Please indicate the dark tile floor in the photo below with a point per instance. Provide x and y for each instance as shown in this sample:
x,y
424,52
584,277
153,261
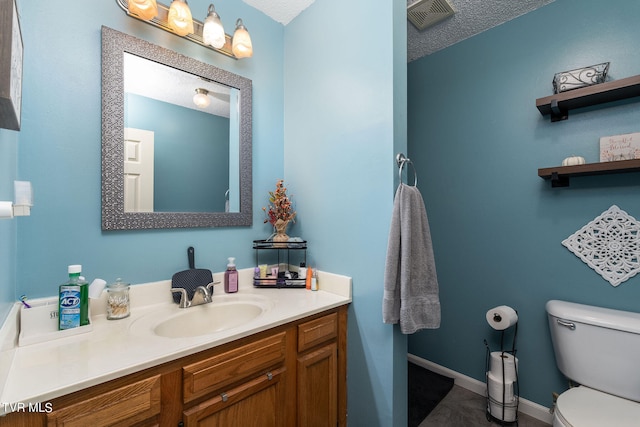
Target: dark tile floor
x,y
464,408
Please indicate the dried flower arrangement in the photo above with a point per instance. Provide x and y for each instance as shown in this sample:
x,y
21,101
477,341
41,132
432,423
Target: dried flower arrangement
x,y
280,207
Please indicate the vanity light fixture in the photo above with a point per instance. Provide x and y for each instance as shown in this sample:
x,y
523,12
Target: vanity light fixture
x,y
242,47
213,31
177,19
145,9
201,98
180,19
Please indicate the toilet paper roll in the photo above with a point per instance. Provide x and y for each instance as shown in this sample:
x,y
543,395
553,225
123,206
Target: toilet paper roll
x,y
495,387
502,317
6,210
506,413
510,365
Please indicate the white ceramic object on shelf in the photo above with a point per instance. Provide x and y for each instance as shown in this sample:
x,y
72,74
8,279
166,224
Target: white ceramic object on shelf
x,y
573,160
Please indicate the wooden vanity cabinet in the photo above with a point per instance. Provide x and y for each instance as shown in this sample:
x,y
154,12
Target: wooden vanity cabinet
x,y
293,378
319,388
321,370
137,400
257,402
245,385
292,375
137,404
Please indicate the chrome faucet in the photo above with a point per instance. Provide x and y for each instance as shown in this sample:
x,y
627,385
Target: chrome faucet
x,y
202,295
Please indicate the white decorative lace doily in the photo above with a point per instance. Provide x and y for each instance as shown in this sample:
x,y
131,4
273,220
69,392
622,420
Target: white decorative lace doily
x,y
610,245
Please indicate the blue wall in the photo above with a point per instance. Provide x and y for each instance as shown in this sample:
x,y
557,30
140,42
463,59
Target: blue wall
x,y
8,228
345,70
60,149
341,103
477,140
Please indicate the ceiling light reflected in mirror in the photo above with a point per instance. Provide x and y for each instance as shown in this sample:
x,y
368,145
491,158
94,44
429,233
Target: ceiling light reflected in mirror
x,y
149,79
201,98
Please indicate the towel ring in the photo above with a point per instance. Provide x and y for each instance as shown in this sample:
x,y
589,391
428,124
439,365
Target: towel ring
x,y
401,160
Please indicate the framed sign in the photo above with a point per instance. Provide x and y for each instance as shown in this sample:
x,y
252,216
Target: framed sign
x,y
620,147
10,66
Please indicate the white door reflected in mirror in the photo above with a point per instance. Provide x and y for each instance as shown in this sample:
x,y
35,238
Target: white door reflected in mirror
x,y
138,170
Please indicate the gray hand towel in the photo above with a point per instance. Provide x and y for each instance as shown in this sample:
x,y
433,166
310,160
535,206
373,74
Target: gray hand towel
x,y
410,280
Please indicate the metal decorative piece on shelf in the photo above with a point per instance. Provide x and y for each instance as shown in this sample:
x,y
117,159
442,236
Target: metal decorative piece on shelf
x,y
610,245
580,77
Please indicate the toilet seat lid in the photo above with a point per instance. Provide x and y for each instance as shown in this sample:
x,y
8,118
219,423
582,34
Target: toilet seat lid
x,y
586,407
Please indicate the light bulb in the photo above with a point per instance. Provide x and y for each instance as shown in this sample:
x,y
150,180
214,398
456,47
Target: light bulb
x,y
241,45
201,98
145,9
180,19
213,32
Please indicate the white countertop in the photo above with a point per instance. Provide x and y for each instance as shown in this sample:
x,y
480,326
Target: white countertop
x,y
43,371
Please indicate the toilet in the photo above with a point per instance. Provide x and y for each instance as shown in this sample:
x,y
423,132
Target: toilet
x,y
599,349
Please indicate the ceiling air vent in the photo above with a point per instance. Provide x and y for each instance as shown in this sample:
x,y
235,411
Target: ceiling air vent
x,y
425,13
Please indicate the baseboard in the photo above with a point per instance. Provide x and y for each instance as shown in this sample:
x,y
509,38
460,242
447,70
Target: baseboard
x,y
525,406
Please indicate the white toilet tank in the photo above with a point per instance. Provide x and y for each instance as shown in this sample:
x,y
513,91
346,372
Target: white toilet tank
x,y
597,347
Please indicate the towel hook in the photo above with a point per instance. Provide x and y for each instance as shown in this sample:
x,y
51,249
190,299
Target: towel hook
x,y
401,160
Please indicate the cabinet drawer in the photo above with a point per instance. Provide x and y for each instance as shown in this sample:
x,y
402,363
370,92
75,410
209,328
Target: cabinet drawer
x,y
217,372
317,331
126,405
257,402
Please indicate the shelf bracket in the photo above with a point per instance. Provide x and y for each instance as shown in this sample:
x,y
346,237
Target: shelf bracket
x,y
558,114
559,180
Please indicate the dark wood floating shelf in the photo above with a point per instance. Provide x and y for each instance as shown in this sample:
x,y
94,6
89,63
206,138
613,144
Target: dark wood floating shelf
x,y
559,175
559,104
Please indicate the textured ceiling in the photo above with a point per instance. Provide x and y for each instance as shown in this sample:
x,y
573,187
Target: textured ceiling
x,y
471,17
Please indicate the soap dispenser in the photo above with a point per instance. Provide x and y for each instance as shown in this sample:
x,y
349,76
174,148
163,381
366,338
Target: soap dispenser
x,y
231,277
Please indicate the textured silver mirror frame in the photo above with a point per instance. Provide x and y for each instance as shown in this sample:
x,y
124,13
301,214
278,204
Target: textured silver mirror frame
x,y
114,45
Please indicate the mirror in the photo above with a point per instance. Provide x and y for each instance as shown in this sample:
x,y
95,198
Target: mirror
x,y
162,158
199,172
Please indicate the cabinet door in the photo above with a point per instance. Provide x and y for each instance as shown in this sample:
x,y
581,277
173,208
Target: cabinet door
x,y
256,403
133,404
318,387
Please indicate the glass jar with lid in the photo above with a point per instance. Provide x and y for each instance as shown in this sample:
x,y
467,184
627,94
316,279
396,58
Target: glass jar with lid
x,y
118,300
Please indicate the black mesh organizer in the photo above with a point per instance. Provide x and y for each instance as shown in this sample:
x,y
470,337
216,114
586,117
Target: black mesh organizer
x,y
286,256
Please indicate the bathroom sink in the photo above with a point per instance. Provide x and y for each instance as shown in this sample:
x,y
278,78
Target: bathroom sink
x,y
208,318
224,312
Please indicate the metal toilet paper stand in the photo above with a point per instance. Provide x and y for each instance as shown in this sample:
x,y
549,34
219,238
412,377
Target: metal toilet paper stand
x,y
503,411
